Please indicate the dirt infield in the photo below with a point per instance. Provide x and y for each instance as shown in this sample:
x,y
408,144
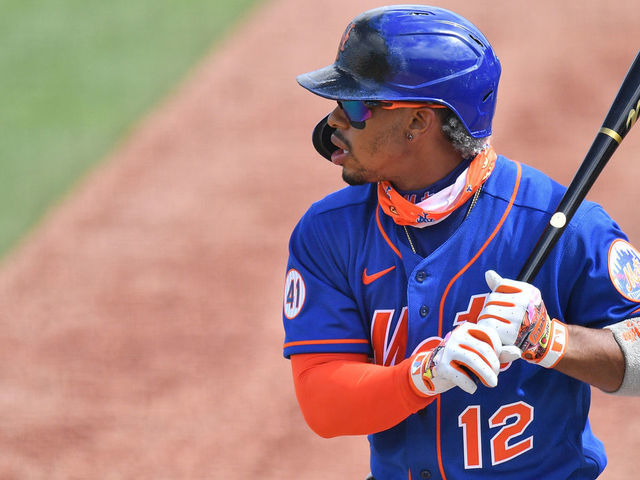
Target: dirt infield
x,y
141,333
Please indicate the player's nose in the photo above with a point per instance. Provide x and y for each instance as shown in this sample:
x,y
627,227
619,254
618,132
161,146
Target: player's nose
x,y
337,119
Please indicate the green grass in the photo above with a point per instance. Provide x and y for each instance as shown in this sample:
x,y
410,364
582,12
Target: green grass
x,y
75,75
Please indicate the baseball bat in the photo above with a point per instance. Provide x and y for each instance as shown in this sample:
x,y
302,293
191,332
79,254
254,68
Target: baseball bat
x,y
622,115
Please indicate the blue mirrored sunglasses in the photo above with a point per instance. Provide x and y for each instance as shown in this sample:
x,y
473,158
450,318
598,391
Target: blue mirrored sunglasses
x,y
359,111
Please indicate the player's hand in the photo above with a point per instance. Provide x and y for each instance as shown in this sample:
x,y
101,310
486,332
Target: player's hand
x,y
515,310
467,352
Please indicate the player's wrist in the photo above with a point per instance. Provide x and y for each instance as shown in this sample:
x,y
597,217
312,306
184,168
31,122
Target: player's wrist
x,y
551,346
421,385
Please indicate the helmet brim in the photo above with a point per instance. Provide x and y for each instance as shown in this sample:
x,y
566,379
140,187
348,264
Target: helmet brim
x,y
337,84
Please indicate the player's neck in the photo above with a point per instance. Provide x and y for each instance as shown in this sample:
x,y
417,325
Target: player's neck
x,y
428,167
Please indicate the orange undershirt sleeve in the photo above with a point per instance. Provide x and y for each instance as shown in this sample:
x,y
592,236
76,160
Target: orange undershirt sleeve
x,y
343,394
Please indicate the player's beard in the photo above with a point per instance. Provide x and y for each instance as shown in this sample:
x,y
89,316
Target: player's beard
x,y
354,174
353,178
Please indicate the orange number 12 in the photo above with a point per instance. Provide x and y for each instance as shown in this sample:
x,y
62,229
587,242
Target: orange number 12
x,y
502,447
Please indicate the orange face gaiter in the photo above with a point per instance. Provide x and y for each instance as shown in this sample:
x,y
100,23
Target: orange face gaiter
x,y
438,206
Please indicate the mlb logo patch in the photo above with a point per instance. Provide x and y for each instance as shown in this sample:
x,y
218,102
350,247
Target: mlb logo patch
x,y
624,269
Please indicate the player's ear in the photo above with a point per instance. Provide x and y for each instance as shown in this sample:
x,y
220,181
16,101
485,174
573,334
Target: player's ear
x,y
423,120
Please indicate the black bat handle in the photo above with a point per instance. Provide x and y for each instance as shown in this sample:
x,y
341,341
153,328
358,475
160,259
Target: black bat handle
x,y
622,115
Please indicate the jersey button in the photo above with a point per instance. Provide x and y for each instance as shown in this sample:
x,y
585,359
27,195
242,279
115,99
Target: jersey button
x,y
425,474
424,310
421,276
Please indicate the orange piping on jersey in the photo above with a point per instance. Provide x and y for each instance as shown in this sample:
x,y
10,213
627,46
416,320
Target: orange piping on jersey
x,y
482,249
635,311
384,234
325,342
446,292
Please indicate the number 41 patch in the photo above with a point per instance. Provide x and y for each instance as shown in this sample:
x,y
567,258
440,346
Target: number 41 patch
x,y
295,293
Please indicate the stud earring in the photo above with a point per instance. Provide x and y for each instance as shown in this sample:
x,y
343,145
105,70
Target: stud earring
x,y
409,137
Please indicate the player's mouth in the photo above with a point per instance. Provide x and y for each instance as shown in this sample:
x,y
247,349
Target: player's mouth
x,y
339,155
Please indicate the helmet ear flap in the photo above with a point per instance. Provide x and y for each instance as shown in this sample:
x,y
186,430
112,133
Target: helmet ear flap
x,y
322,138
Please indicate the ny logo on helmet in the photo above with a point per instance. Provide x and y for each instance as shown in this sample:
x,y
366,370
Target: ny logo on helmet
x,y
345,37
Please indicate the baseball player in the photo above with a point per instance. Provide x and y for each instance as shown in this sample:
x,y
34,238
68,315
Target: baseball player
x,y
402,322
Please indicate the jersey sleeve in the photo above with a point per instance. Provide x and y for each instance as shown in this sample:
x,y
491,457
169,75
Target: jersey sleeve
x,y
320,314
602,269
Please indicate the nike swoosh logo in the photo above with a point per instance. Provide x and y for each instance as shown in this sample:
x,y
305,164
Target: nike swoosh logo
x,y
367,279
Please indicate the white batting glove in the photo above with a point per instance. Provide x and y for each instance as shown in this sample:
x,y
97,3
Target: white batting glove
x,y
467,352
515,310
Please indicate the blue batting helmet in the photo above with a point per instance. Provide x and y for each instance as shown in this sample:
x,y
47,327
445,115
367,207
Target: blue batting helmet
x,y
414,53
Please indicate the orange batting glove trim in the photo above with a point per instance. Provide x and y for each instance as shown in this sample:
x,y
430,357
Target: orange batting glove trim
x,y
555,345
508,289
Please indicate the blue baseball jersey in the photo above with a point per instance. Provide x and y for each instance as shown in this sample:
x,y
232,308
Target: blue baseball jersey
x,y
354,284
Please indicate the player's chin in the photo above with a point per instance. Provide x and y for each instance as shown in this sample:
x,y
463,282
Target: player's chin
x,y
356,175
353,178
